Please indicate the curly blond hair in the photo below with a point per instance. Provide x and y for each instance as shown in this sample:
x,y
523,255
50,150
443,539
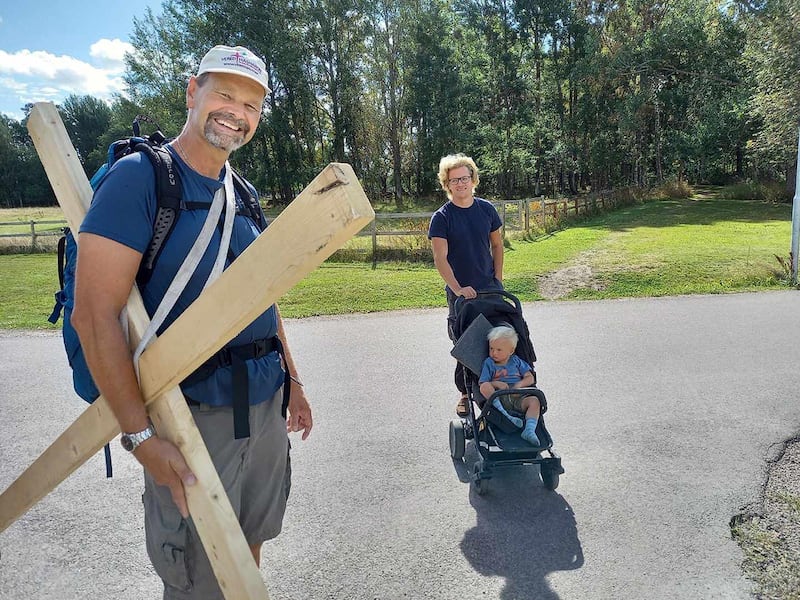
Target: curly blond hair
x,y
454,161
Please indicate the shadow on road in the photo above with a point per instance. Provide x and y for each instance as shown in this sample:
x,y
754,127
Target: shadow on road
x,y
523,533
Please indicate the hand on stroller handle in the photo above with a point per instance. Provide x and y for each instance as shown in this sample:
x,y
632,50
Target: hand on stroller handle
x,y
460,300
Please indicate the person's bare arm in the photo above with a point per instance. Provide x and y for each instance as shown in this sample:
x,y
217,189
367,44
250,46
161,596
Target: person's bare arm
x,y
496,245
527,380
104,278
439,247
300,417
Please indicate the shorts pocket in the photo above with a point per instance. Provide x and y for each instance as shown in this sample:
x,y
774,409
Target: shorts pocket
x,y
167,535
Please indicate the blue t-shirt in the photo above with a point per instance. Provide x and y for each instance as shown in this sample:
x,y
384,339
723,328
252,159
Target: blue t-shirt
x,y
467,233
511,372
124,208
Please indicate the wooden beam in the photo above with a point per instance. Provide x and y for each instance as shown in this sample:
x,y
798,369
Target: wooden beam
x,y
331,210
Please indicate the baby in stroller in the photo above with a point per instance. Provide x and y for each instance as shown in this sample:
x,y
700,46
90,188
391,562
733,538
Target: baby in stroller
x,y
496,427
503,370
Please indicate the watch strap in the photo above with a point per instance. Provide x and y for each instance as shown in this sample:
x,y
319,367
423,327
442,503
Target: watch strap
x,y
131,441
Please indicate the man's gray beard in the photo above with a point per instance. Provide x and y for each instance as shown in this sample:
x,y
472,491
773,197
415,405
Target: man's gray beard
x,y
229,143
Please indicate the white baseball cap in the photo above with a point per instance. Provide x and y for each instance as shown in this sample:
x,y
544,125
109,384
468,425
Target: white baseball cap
x,y
236,61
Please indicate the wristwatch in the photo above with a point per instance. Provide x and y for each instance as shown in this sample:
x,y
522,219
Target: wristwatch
x,y
131,441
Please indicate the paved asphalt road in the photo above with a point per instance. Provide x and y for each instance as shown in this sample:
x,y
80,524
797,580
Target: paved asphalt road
x,y
665,412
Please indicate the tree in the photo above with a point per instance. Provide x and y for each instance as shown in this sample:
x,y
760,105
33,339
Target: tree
x,y
434,92
158,70
388,31
773,50
86,119
22,179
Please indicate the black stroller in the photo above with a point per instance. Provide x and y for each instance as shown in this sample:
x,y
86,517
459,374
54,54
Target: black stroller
x,y
496,438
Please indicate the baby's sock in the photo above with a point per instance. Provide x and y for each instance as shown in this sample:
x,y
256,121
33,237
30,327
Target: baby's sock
x,y
499,406
529,433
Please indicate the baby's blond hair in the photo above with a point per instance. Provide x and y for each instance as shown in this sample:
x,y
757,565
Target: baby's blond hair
x,y
503,332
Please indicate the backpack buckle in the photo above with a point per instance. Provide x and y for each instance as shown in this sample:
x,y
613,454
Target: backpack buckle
x,y
259,348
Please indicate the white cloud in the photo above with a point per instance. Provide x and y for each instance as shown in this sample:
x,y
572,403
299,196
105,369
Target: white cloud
x,y
33,76
110,53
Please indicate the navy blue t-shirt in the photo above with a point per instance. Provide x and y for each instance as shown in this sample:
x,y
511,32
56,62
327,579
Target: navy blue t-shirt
x,y
124,208
467,233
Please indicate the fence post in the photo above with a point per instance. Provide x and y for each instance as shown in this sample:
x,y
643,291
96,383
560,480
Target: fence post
x,y
527,214
544,211
375,242
33,236
504,218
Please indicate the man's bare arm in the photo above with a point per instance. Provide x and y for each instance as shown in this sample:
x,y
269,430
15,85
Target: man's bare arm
x,y
104,278
300,417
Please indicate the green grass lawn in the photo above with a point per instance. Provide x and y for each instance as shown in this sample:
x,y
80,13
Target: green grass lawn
x,y
27,285
705,244
699,245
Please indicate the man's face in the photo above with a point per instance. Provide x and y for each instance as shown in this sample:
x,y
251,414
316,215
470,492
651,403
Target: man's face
x,y
228,108
459,182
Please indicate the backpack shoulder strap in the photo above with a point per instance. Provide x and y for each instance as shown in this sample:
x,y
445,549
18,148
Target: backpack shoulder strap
x,y
169,193
249,200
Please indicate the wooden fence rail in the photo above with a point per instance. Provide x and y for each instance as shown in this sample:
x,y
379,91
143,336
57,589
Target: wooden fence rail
x,y
32,232
516,215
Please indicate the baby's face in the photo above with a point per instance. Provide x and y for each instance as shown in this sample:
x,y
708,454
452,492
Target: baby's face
x,y
500,351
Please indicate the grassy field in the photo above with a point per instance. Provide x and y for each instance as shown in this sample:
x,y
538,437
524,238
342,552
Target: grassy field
x,y
704,244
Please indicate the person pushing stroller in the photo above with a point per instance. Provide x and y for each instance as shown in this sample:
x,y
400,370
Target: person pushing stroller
x,y
504,370
467,243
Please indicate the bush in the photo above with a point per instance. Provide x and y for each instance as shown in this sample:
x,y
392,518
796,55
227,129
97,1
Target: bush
x,y
768,191
673,190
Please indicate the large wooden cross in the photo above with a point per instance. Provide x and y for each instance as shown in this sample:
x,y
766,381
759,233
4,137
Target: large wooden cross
x,y
331,210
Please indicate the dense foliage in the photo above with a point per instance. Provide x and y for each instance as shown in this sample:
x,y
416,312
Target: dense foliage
x,y
547,95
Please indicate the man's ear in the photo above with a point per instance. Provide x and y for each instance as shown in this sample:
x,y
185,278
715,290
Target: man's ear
x,y
191,90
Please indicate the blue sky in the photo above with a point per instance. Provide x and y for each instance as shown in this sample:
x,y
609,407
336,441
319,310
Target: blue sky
x,y
50,49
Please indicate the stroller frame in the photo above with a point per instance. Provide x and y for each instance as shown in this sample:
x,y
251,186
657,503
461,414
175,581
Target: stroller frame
x,y
497,441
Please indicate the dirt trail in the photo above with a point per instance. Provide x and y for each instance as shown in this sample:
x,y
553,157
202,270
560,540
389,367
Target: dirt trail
x,y
578,275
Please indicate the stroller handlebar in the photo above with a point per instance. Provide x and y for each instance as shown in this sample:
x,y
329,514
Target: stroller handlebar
x,y
490,292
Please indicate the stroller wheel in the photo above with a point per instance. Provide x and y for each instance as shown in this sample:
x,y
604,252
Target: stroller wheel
x,y
549,477
457,443
481,484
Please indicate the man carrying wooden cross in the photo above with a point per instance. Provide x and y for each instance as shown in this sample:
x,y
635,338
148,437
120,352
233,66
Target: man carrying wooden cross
x,y
236,398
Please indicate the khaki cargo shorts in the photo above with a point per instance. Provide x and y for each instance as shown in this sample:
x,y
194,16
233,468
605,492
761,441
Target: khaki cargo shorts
x,y
256,474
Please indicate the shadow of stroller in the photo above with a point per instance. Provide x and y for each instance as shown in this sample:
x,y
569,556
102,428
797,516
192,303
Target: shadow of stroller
x,y
523,533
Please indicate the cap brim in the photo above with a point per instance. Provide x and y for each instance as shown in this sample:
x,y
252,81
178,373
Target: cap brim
x,y
267,90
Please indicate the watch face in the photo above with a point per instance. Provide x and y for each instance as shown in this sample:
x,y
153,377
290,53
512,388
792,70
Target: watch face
x,y
126,442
